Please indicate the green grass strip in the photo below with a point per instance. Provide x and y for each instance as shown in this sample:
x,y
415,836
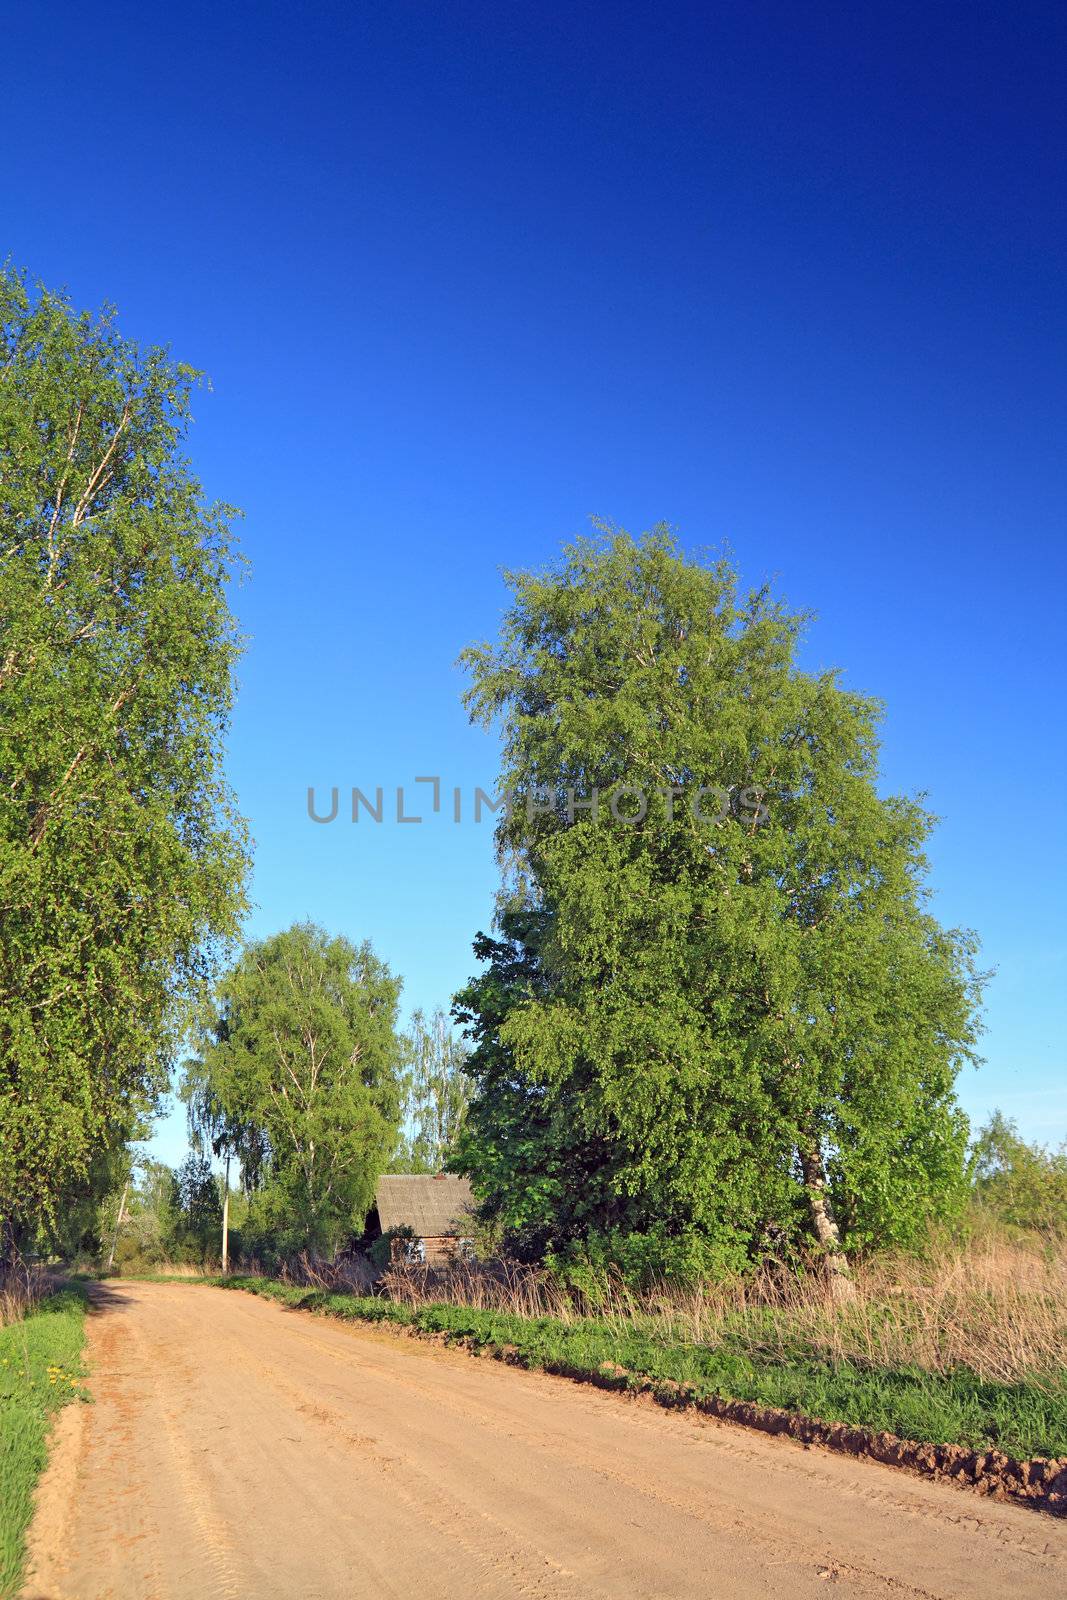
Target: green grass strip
x,y
1021,1419
40,1370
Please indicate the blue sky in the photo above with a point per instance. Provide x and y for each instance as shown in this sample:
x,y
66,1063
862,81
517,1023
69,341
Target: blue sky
x,y
789,278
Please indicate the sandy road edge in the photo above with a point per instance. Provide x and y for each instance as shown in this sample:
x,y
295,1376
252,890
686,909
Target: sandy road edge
x,y
53,1493
1037,1483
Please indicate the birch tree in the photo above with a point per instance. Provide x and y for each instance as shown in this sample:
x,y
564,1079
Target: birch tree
x,y
436,1090
300,1064
738,1026
122,858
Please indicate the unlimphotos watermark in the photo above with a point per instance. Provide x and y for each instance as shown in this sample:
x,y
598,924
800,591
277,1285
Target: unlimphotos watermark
x,y
625,804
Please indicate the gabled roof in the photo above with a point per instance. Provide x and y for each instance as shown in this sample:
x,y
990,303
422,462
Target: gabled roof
x,y
433,1208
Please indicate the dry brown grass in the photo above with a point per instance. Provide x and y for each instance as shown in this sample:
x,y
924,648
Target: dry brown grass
x,y
188,1269
349,1274
24,1286
163,1269
487,1286
997,1308
995,1305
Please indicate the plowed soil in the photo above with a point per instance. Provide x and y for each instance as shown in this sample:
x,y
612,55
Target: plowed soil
x,y
237,1448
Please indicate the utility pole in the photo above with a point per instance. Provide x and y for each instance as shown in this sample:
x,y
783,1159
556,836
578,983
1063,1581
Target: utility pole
x,y
226,1219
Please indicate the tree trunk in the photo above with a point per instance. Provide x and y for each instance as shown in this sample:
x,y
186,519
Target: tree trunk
x,y
226,1221
822,1218
118,1225
9,1250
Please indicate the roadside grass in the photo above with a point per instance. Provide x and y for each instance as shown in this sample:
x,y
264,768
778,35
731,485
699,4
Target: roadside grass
x,y
40,1371
992,1304
1023,1418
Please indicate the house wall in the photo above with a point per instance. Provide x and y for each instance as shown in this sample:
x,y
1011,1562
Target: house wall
x,y
438,1252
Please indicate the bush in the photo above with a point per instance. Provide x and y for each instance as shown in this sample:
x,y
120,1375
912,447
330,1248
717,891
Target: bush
x,y
1023,1186
380,1253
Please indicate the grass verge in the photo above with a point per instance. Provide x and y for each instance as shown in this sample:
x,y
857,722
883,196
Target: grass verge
x,y
40,1370
957,1408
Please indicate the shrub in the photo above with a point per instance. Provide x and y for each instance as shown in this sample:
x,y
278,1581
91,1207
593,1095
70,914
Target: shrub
x,y
1023,1186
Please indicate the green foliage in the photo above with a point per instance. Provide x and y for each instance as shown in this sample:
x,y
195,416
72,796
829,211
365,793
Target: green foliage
x,y
87,1218
1022,1185
539,1170
691,1023
168,1216
145,1234
40,1370
436,1090
301,1059
1023,1419
380,1253
121,859
199,1210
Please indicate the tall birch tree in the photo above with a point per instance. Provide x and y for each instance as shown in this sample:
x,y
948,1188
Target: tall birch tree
x,y
299,1076
436,1090
721,1019
122,858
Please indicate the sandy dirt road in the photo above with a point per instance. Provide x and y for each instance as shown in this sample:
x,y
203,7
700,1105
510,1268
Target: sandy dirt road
x,y
236,1448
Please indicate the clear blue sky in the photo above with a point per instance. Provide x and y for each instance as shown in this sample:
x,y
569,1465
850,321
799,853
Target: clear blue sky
x,y
788,277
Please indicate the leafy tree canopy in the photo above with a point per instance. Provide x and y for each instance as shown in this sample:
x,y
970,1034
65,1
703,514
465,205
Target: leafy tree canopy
x,y
721,1019
436,1089
300,1063
122,861
1021,1184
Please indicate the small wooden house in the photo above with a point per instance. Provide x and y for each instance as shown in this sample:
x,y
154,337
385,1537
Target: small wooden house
x,y
439,1210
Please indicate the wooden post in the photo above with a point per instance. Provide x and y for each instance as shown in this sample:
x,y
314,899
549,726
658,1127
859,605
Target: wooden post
x,y
226,1220
118,1225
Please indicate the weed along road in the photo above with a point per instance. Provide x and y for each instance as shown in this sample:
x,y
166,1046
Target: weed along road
x,y
236,1448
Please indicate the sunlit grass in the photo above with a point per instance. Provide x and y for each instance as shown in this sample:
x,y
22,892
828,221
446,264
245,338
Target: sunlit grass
x,y
40,1370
